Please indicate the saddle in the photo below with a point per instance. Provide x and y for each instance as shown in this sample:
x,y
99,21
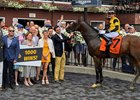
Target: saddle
x,y
114,47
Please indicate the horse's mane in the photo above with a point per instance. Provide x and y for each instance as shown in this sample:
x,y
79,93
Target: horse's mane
x,y
92,27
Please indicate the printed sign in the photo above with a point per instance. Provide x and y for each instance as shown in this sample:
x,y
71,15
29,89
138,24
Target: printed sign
x,y
33,15
86,2
29,56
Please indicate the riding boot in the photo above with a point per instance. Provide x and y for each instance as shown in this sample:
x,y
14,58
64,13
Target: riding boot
x,y
108,40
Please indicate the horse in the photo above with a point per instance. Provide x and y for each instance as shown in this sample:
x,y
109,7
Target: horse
x,y
129,46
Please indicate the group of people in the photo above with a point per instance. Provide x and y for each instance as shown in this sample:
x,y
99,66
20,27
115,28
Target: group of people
x,y
56,43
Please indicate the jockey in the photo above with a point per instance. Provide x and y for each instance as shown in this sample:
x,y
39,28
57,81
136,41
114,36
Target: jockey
x,y
114,28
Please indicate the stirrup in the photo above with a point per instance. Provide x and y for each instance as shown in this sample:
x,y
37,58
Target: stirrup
x,y
109,43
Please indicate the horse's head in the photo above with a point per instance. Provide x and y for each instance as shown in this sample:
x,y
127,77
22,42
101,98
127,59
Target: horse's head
x,y
74,26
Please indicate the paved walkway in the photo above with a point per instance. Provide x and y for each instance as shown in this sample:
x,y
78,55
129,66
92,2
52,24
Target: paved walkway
x,y
75,87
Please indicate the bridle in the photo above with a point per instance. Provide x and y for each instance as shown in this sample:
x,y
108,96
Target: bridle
x,y
73,27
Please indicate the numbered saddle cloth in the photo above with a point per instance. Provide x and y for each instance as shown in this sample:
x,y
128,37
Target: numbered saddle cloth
x,y
114,47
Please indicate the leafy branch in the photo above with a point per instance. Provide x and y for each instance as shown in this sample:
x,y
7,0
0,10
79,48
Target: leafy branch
x,y
15,5
48,7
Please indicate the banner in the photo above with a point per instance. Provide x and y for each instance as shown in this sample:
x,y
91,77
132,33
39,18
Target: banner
x,y
29,56
86,3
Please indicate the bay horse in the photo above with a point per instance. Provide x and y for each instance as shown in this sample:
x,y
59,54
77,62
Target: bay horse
x,y
130,46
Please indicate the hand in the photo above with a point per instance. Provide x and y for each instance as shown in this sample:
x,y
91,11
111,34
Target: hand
x,y
45,57
15,61
71,34
67,25
29,44
62,17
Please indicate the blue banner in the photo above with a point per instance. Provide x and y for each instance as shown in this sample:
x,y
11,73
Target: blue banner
x,y
86,2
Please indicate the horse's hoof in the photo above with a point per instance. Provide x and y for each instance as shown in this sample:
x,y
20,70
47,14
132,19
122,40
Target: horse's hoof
x,y
99,85
96,85
131,87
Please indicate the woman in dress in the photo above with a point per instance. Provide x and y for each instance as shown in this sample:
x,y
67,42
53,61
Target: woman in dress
x,y
47,44
34,30
28,71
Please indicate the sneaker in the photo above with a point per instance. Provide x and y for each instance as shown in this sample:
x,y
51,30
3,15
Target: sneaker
x,y
47,82
43,82
17,84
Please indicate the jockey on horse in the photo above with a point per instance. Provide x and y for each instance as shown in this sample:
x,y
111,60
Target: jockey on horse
x,y
114,28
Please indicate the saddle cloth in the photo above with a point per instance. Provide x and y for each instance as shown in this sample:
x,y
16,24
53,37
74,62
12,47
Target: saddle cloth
x,y
114,47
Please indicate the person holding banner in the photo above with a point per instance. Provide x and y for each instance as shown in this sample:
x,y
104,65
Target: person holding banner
x,y
11,52
28,71
48,49
34,32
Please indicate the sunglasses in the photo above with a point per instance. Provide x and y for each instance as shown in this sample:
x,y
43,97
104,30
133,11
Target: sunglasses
x,y
110,13
11,30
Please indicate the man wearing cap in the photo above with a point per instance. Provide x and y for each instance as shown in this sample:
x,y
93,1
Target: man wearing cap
x,y
114,28
47,24
20,30
132,31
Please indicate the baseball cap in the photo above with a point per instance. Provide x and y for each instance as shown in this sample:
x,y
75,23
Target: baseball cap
x,y
19,26
130,27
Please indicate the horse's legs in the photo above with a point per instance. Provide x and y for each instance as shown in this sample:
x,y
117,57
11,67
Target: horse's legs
x,y
98,70
97,74
135,63
135,79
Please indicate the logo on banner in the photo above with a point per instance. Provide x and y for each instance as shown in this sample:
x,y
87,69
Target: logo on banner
x,y
86,2
82,2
